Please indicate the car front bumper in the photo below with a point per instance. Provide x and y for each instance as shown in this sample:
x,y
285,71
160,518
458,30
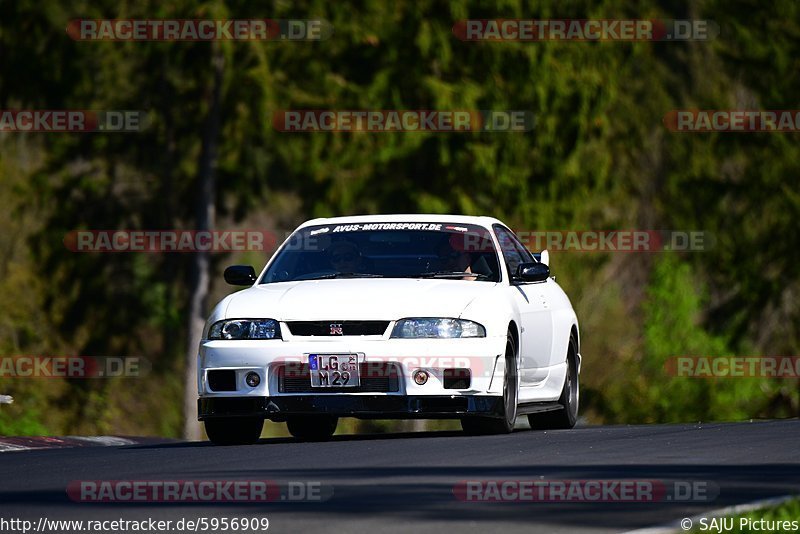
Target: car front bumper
x,y
482,356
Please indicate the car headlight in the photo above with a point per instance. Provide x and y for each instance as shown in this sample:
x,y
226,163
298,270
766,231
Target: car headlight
x,y
245,329
425,327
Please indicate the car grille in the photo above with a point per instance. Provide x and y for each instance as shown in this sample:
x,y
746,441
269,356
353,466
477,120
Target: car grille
x,y
376,377
331,328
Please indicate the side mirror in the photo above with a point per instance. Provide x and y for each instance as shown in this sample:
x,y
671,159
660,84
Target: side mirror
x,y
240,275
543,257
532,272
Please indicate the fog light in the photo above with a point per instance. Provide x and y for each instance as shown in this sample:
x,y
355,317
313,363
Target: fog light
x,y
252,379
420,377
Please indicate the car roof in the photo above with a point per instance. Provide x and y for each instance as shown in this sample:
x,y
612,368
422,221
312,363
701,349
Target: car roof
x,y
486,222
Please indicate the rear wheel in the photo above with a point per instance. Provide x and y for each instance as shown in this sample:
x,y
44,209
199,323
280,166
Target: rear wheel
x,y
312,427
234,431
504,424
568,414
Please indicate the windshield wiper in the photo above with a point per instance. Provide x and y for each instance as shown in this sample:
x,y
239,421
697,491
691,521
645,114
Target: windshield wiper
x,y
450,274
343,275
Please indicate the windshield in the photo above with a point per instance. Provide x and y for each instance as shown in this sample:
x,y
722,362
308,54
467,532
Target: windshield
x,y
386,250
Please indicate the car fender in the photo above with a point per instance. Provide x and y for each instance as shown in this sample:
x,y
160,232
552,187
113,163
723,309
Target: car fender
x,y
564,320
495,313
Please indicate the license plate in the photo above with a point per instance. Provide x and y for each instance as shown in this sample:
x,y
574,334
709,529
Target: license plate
x,y
334,370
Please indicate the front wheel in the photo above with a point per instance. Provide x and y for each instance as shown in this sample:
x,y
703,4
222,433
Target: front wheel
x,y
504,424
568,414
234,431
312,427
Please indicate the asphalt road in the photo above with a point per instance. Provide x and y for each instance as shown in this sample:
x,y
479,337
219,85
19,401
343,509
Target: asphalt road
x,y
405,482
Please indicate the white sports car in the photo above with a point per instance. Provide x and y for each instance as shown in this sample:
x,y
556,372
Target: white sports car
x,y
391,316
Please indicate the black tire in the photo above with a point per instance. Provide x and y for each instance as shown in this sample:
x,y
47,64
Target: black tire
x,y
570,397
234,431
312,427
504,424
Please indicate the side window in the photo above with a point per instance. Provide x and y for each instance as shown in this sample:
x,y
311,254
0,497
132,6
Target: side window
x,y
511,253
527,257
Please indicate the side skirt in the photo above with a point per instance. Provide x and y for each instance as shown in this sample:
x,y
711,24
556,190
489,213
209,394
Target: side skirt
x,y
538,407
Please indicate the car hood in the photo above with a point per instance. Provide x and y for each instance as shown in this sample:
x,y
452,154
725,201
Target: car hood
x,y
354,299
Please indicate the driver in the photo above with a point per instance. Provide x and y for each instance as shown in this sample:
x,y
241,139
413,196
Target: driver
x,y
455,259
345,257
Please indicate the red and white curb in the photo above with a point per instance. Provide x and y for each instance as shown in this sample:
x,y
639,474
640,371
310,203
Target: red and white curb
x,y
8,444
